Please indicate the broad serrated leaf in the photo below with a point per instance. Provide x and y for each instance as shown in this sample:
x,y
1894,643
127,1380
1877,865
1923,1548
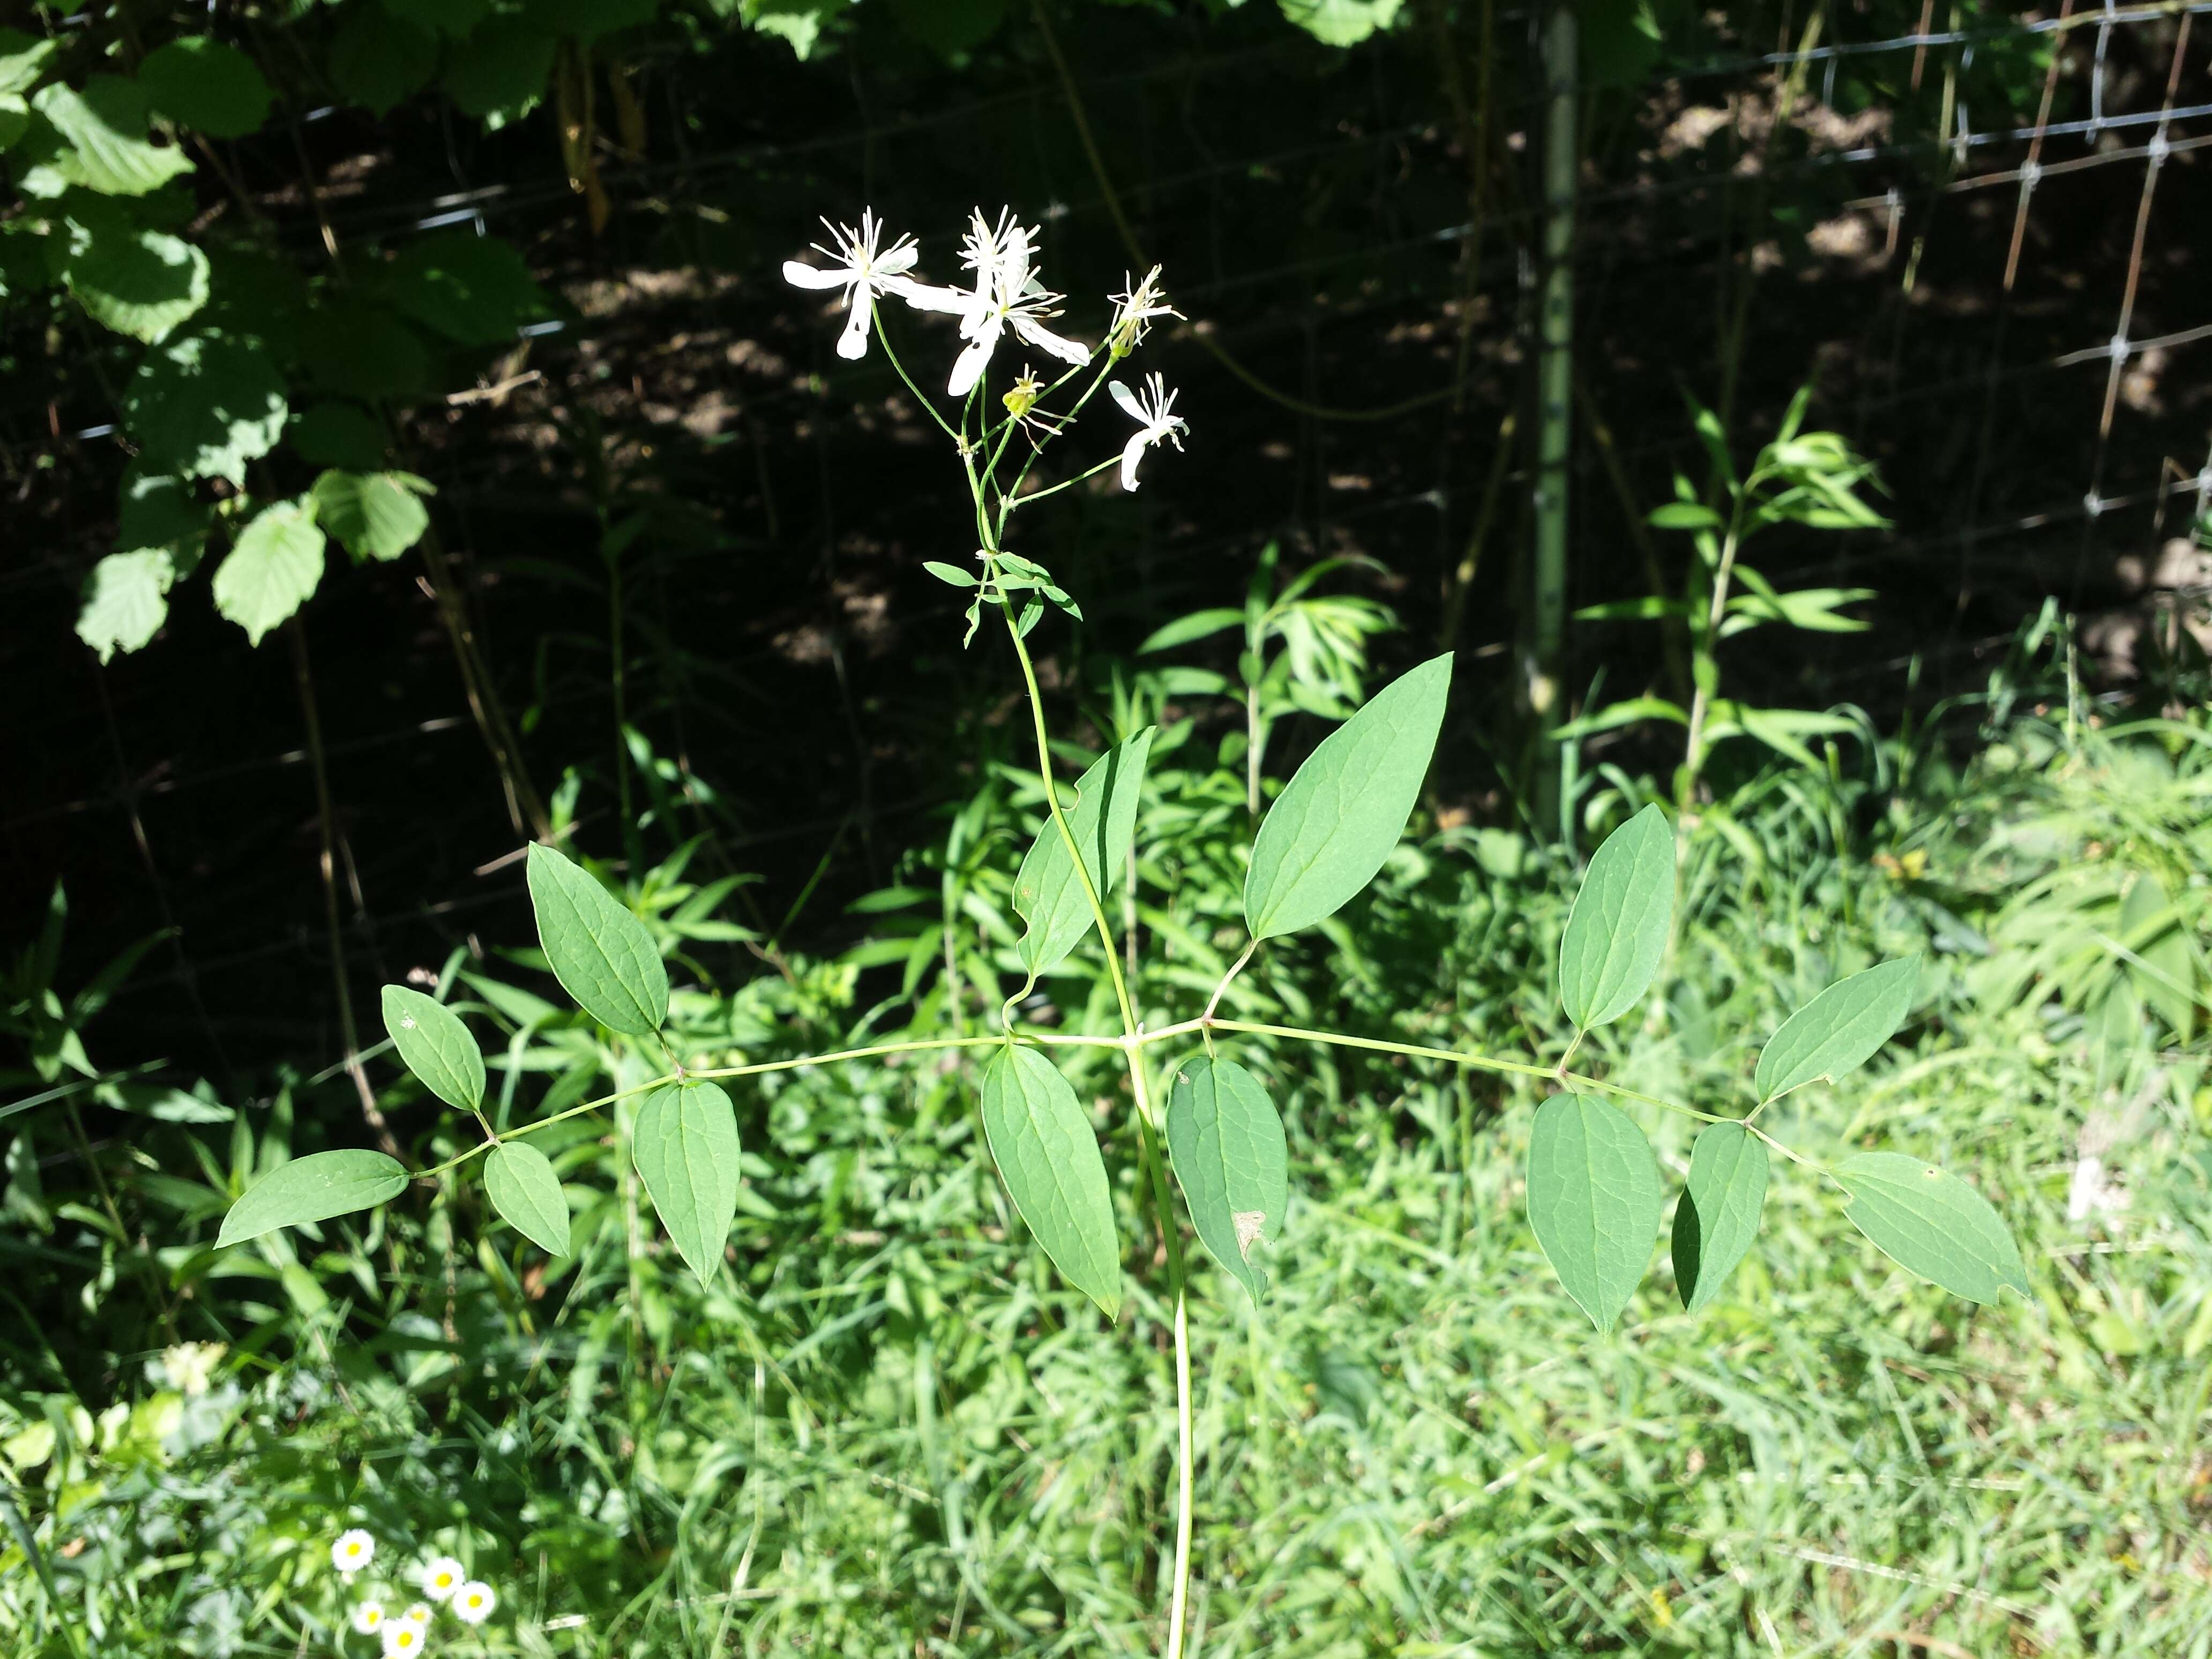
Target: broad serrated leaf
x,y
476,289
1047,1157
1225,1145
1048,894
313,1188
124,600
1593,1201
519,1179
337,435
1933,1224
376,60
363,351
23,59
103,123
435,1046
377,515
1838,1030
1617,930
685,1146
272,571
1338,818
1717,1217
202,83
136,281
600,952
203,406
500,69
1342,22
155,510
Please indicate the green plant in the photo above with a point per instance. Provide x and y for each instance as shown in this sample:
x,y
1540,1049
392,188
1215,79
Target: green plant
x,y
1595,1195
1809,479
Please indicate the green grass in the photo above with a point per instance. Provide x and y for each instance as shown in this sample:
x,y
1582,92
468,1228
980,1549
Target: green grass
x,y
891,1431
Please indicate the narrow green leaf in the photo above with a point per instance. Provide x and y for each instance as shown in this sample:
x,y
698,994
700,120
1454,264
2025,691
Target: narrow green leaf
x,y
519,1179
273,571
1717,1217
1047,893
1933,1224
435,1046
1225,1145
685,1146
2165,974
1617,930
1838,1030
1049,1158
1338,818
1594,1200
600,952
313,1188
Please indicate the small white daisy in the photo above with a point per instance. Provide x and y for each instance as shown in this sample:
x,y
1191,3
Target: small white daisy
x,y
474,1601
418,1614
442,1577
369,1617
353,1551
404,1639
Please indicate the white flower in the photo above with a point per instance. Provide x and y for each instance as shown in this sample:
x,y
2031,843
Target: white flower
x,y
353,1551
190,1366
404,1639
1006,295
369,1617
473,1602
442,1577
862,269
1133,312
418,1614
1153,410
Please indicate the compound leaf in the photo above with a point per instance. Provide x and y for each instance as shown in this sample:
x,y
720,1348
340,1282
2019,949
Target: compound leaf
x,y
1594,1200
435,1046
600,952
1933,1224
1617,930
1838,1030
1048,894
519,1179
272,571
313,1188
1049,1158
1226,1144
1717,1217
1340,815
685,1146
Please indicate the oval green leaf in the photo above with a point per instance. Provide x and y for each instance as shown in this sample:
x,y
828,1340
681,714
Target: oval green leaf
x,y
1617,930
1226,1144
1838,1030
1933,1224
599,951
519,1179
1104,821
1717,1216
435,1046
313,1188
1594,1200
1340,815
1049,1158
685,1146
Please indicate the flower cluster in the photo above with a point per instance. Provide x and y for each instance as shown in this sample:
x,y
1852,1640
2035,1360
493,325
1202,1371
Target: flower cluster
x,y
406,1633
1004,300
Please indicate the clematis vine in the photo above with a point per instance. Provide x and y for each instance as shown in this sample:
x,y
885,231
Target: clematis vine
x,y
863,269
1007,297
1153,410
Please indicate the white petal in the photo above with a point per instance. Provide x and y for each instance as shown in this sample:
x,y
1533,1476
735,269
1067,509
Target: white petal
x,y
1120,395
799,275
923,297
1044,339
898,259
853,341
969,368
1131,452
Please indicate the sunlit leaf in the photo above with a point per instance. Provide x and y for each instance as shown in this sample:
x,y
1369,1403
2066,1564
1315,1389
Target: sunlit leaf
x,y
685,1146
435,1046
1716,1218
123,603
202,406
519,1179
104,122
377,515
313,1188
1593,1201
1225,1145
1047,1157
1933,1224
1617,930
1838,1030
1340,815
272,571
1048,894
600,952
